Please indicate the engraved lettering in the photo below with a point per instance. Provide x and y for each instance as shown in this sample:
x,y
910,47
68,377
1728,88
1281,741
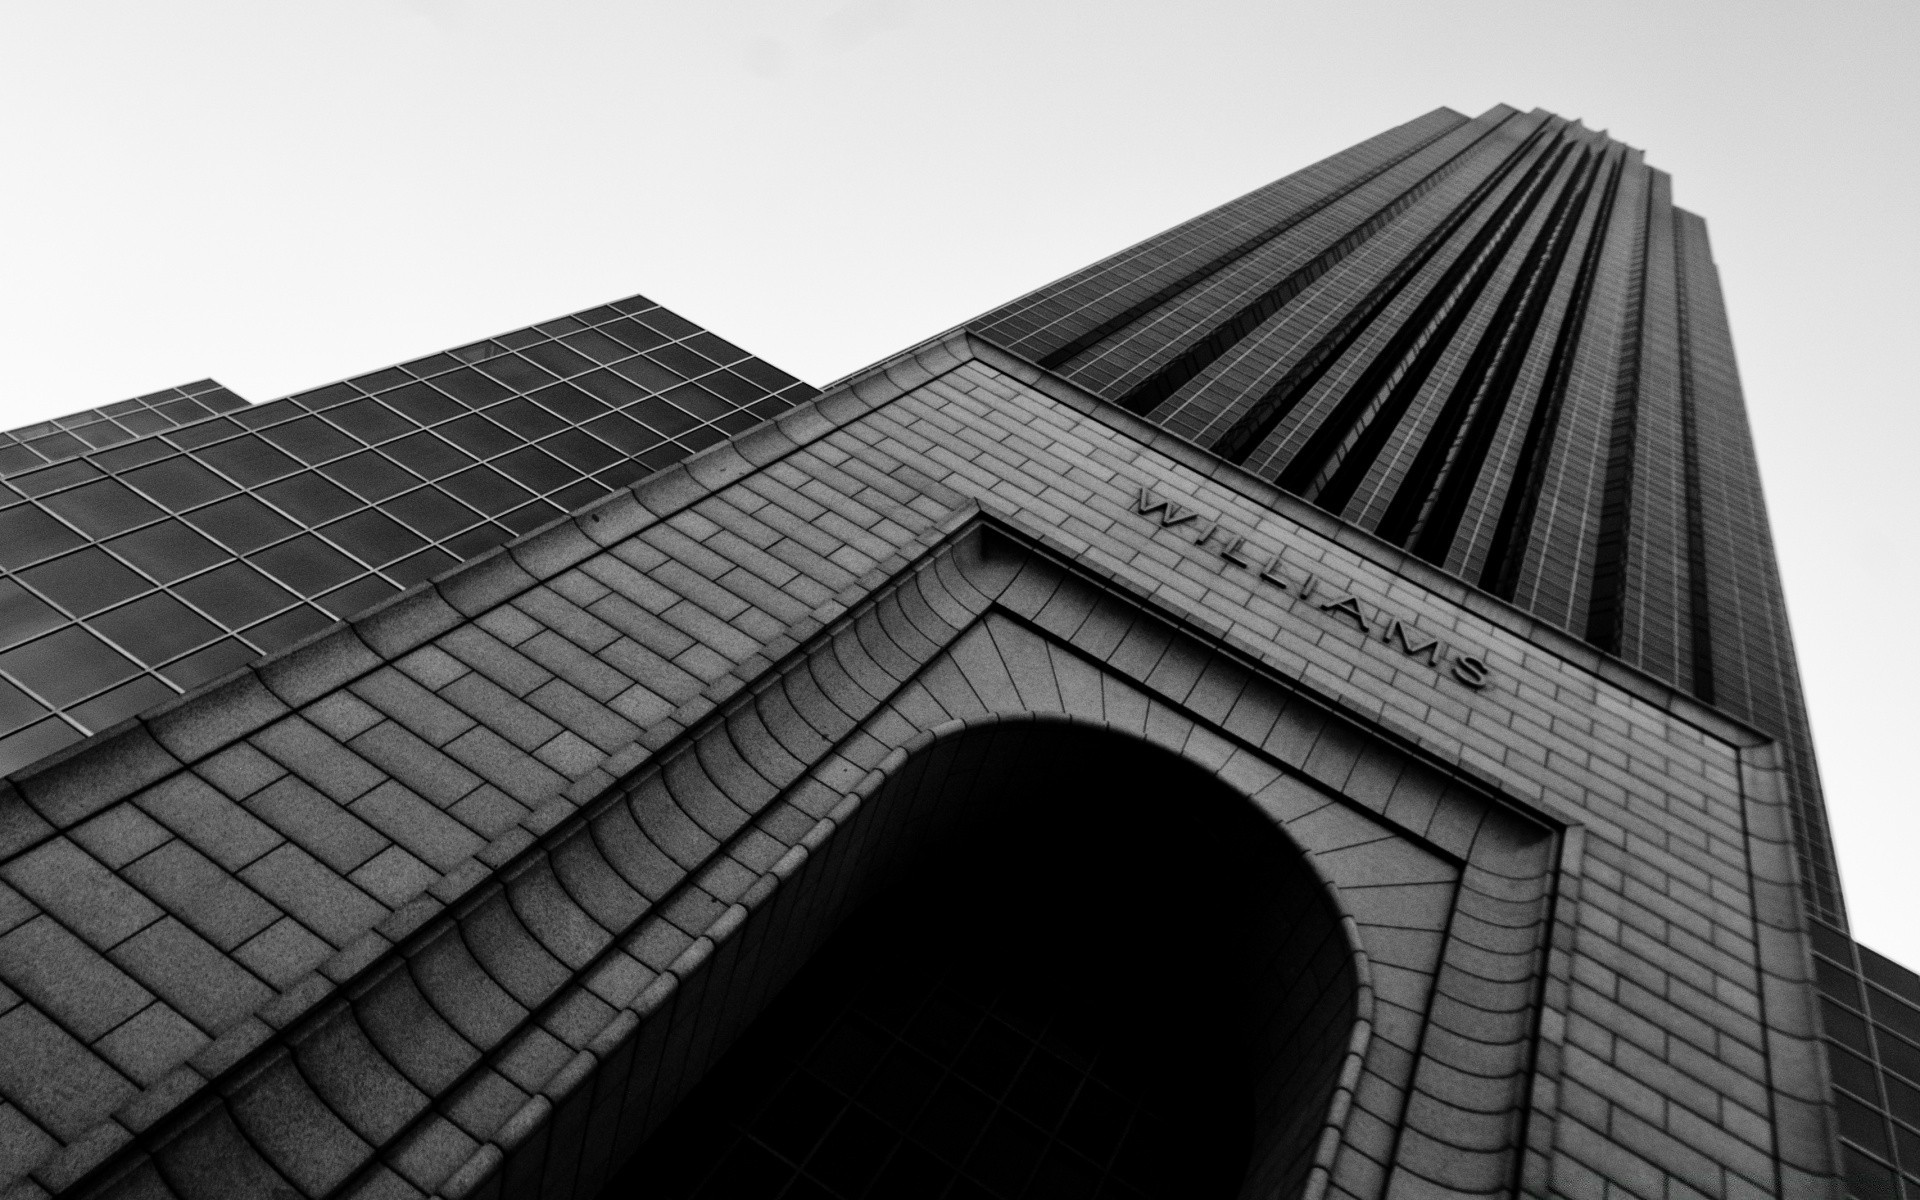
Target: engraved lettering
x,y
1210,532
1430,649
1345,606
1233,552
1471,670
1170,513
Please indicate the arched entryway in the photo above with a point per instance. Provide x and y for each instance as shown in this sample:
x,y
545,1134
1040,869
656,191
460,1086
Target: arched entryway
x,y
1058,961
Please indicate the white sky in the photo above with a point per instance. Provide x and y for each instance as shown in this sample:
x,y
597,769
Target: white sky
x,y
280,193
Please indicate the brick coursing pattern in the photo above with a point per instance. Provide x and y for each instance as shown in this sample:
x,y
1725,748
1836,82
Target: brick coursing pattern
x,y
468,855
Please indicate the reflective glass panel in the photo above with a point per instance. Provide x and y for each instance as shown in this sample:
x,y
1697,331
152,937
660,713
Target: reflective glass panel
x,y
67,666
85,581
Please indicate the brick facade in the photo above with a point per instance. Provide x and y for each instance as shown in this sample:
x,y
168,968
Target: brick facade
x,y
458,897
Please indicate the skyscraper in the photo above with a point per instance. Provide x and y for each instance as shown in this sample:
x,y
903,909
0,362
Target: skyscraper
x,y
1302,706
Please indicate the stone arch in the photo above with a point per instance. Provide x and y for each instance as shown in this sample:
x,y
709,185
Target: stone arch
x,y
1227,904
518,1031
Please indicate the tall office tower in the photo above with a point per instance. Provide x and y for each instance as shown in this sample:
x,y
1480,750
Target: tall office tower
x,y
1302,707
1498,345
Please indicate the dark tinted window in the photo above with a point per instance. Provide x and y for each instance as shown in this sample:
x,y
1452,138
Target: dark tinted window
x,y
236,595
472,387
310,498
732,387
623,474
326,398
578,495
770,377
370,420
241,523
311,440
272,413
205,433
85,581
179,483
23,615
431,512
529,517
574,404
101,434
583,453
422,566
1863,1125
358,596
65,666
737,422
1890,974
375,537
17,709
1837,981
660,415
14,459
125,458
423,403
248,460
597,346
517,373
635,335
379,381
557,358
216,660
156,628
479,436
167,551
129,699
525,418
670,323
369,476
102,509
476,542
718,349
649,374
486,490
287,628
427,456
433,364
624,432
35,742
1898,1055
680,360
306,564
1903,1100
1854,1073
536,469
53,478
28,535
146,422
182,412
699,401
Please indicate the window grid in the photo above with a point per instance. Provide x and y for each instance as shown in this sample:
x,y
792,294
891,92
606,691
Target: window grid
x,y
140,568
1871,1017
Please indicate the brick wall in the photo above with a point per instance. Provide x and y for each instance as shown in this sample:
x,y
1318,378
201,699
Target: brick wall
x,y
479,880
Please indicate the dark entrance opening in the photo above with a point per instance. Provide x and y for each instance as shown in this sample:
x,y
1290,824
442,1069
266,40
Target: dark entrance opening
x,y
1097,975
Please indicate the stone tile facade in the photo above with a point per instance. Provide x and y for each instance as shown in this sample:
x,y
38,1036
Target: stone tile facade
x,y
458,898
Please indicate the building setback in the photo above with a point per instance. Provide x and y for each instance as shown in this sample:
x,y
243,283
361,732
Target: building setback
x,y
1302,706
